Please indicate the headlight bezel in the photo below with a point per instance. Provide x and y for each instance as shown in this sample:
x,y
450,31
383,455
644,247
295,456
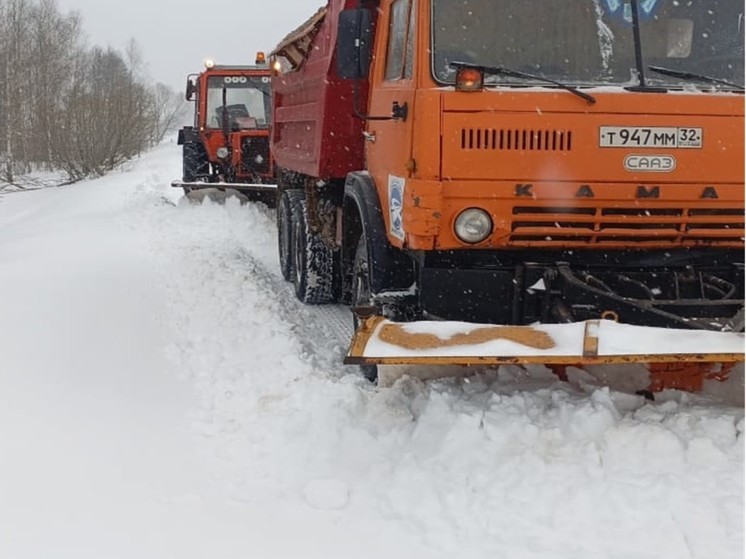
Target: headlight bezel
x,y
476,218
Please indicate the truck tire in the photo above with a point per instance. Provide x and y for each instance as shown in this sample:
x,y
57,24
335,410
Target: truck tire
x,y
285,231
313,261
195,161
361,296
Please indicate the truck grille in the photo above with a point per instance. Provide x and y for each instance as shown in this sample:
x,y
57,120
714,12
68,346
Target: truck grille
x,y
606,226
255,155
515,139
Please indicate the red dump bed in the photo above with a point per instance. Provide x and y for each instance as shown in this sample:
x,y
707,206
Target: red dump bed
x,y
314,129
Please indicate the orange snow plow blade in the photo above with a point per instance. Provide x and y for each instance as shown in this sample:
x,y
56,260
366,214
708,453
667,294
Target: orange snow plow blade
x,y
379,341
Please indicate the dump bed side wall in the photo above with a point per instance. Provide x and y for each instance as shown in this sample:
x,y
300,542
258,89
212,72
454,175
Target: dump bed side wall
x,y
315,131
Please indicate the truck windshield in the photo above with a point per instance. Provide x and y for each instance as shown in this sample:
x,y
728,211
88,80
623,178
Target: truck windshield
x,y
591,42
246,101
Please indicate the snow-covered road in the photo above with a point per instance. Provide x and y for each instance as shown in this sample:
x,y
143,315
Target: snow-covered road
x,y
163,395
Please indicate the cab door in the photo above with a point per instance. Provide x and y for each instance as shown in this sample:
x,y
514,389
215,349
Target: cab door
x,y
391,105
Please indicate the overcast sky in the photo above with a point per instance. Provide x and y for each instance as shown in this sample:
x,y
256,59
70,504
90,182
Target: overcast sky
x,y
176,36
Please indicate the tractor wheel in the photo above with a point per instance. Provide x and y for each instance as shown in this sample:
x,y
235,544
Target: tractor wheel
x,y
361,296
313,261
196,165
285,231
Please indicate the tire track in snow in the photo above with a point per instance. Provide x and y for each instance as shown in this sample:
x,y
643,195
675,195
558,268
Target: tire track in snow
x,y
241,241
318,327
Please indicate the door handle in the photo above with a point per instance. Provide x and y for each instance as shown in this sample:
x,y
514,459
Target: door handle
x,y
399,112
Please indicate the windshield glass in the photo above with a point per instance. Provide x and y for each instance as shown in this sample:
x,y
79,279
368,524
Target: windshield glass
x,y
246,101
589,42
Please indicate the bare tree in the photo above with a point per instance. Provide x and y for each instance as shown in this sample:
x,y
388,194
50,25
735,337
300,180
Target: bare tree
x,y
167,111
13,106
55,39
68,107
106,117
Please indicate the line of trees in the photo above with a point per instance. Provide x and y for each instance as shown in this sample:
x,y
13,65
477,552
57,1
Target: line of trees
x,y
65,106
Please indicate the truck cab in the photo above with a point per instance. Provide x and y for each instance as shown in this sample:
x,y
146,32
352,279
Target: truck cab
x,y
511,162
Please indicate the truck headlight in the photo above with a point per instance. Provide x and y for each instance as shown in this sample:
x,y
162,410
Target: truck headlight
x,y
473,225
223,152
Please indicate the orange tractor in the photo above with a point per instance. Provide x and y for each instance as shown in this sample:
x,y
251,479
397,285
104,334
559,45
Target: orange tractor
x,y
494,181
228,145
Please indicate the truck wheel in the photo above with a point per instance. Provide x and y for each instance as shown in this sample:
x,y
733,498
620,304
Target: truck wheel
x,y
285,231
313,261
195,161
361,296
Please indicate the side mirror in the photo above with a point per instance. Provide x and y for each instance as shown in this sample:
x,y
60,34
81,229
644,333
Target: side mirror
x,y
354,43
191,89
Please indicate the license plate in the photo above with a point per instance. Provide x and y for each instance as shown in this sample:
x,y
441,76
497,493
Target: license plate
x,y
649,137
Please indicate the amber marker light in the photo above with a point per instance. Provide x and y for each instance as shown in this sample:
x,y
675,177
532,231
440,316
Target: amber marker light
x,y
260,58
469,79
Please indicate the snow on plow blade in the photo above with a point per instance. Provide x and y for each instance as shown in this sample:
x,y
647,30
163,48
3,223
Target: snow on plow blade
x,y
380,341
239,186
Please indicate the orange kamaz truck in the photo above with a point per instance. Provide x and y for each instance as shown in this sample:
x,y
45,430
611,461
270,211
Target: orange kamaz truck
x,y
501,181
228,145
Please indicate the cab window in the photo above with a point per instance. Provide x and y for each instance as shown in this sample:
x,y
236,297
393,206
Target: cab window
x,y
401,41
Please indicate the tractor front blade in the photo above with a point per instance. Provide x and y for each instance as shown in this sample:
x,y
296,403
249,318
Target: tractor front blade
x,y
239,186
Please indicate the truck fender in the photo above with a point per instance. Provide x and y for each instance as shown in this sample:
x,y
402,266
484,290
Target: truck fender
x,y
391,269
188,134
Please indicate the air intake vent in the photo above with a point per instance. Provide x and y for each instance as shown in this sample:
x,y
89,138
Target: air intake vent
x,y
516,140
548,225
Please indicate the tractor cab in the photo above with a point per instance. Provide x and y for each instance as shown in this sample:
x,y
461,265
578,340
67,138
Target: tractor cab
x,y
241,93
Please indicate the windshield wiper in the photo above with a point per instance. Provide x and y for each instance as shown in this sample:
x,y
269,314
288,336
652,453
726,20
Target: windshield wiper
x,y
502,71
691,76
